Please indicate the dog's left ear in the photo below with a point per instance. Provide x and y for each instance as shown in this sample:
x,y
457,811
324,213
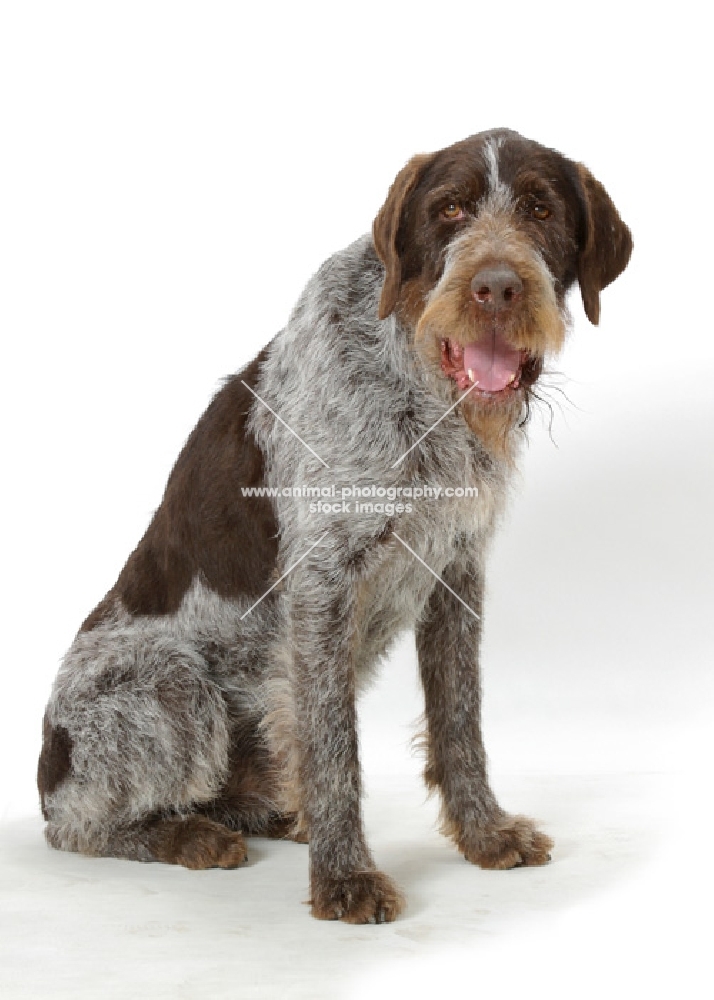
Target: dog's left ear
x,y
385,229
606,244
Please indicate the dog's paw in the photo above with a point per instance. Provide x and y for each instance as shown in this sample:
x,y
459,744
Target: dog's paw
x,y
368,897
511,842
197,842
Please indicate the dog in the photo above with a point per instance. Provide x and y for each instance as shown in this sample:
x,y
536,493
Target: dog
x,y
340,489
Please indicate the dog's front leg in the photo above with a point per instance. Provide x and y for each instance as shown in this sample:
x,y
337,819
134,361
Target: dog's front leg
x,y
448,638
344,881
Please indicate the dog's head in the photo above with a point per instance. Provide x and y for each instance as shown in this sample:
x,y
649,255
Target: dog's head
x,y
480,242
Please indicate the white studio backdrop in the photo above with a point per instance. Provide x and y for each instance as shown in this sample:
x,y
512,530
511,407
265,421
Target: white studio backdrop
x,y
172,174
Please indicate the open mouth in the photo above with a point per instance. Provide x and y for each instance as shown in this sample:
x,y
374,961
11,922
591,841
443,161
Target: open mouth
x,y
490,364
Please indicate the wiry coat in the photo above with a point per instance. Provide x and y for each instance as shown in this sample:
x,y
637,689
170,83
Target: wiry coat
x,y
192,705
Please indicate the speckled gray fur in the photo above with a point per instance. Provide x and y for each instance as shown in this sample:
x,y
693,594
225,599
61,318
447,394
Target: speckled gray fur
x,y
214,689
132,754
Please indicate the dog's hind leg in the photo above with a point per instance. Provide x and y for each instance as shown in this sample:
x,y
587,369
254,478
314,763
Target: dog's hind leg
x,y
193,841
136,735
252,799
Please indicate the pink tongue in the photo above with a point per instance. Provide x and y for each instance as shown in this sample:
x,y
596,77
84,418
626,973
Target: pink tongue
x,y
492,362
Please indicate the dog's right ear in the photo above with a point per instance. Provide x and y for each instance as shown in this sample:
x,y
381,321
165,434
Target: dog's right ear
x,y
385,230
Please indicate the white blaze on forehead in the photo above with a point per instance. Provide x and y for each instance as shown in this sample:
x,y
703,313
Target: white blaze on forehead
x,y
499,194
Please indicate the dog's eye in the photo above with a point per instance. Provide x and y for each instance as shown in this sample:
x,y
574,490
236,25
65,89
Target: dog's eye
x,y
540,211
452,211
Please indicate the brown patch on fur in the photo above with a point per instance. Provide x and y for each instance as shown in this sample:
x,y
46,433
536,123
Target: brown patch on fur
x,y
195,842
100,614
358,898
55,760
201,525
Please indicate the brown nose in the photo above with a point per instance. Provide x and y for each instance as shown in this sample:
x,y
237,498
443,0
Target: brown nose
x,y
496,288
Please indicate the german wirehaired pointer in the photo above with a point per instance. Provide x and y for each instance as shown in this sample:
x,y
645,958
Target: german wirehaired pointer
x,y
211,693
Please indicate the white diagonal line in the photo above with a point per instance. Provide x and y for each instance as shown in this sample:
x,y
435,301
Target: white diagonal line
x,y
436,423
439,578
277,417
283,576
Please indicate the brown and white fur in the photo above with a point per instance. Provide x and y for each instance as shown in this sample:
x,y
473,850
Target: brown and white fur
x,y
191,709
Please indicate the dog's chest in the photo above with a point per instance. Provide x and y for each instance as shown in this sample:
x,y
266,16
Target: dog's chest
x,y
393,594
